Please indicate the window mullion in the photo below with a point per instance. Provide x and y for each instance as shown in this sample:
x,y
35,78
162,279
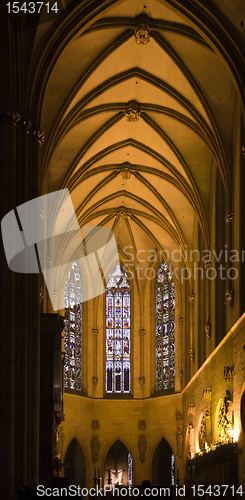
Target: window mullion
x,y
168,334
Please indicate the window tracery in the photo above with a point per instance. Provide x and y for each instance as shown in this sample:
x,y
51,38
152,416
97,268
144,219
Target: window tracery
x,y
165,329
73,330
118,332
130,469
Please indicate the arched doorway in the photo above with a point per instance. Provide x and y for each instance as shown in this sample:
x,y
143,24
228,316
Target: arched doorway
x,y
74,456
163,464
118,465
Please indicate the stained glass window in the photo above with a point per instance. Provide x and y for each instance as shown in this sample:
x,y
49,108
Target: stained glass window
x,y
165,329
73,330
172,470
118,332
130,469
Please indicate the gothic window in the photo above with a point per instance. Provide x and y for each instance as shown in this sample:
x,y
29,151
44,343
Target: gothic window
x,y
173,470
130,469
165,329
73,330
118,332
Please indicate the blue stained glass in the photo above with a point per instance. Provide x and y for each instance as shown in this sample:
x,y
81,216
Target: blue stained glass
x,y
172,469
118,332
130,469
73,330
165,329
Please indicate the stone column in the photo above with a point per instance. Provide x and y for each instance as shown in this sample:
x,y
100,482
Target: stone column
x,y
95,334
9,122
34,318
192,349
229,283
23,318
142,333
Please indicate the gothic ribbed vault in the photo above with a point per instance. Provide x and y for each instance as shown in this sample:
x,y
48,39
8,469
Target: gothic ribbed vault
x,y
135,129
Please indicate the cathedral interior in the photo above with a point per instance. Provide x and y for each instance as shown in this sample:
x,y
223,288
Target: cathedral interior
x,y
136,109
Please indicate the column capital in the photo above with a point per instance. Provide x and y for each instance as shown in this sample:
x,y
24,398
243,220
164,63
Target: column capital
x,y
39,136
27,126
11,116
207,264
207,329
230,217
230,297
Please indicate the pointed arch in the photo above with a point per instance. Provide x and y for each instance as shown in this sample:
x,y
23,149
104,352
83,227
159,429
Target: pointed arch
x,y
118,463
165,329
75,458
73,330
118,308
163,464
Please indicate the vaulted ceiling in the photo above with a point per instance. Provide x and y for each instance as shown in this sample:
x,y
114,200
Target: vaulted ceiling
x,y
135,130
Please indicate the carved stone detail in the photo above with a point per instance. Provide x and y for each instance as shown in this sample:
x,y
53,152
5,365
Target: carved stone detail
x,y
205,431
39,136
142,380
27,126
125,173
95,425
180,321
230,217
207,393
225,418
95,380
142,445
132,115
228,372
141,425
48,260
41,293
11,116
95,448
180,373
179,418
179,433
191,441
243,151
207,264
95,331
179,441
124,214
191,297
230,297
142,34
207,329
191,409
142,332
192,353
